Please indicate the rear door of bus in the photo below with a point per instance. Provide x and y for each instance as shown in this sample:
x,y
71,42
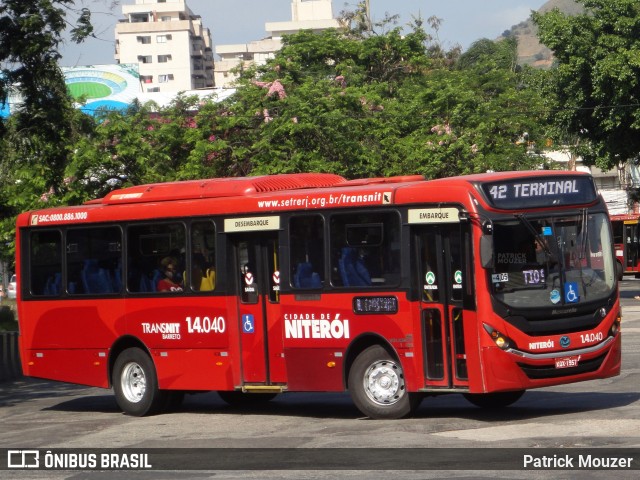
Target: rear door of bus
x,y
258,285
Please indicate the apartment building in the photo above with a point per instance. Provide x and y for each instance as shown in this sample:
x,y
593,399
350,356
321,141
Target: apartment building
x,y
316,15
168,42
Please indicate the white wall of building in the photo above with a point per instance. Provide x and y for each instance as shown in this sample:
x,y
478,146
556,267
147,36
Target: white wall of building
x,y
170,44
314,15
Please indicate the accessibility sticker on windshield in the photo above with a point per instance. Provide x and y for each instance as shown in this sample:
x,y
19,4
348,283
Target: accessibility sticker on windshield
x,y
571,292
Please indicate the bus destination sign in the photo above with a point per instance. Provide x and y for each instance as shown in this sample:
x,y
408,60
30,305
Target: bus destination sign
x,y
540,192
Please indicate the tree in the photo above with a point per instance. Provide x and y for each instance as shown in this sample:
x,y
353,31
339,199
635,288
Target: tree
x,y
365,105
37,140
595,83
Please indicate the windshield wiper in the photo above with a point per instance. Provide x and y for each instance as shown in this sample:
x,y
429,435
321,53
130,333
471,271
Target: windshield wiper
x,y
584,221
539,238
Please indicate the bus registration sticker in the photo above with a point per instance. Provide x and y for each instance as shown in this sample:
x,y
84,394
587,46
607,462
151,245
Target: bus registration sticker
x,y
499,277
567,362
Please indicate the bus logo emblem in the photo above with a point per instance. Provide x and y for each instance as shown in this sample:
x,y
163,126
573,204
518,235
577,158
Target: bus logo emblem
x,y
248,278
430,277
565,341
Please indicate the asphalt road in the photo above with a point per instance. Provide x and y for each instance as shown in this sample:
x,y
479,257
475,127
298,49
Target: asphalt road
x,y
604,414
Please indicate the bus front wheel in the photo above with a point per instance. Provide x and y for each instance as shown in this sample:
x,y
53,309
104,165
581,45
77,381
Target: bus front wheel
x,y
377,385
135,384
619,271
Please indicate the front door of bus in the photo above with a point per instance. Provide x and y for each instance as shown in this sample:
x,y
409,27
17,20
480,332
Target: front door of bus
x,y
440,269
257,267
632,242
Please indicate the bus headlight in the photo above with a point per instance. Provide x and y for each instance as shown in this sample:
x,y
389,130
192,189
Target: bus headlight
x,y
615,327
502,341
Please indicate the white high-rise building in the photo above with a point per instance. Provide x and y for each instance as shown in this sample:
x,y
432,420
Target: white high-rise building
x,y
168,42
316,15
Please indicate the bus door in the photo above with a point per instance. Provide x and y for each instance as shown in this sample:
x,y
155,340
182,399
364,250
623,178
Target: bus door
x,y
631,244
438,249
257,277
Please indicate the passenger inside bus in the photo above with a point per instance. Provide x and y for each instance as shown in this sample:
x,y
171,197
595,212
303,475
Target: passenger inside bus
x,y
203,275
167,283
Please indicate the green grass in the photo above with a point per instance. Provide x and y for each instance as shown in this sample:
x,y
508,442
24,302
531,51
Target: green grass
x,y
89,90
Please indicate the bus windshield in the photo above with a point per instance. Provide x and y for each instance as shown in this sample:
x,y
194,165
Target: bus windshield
x,y
550,261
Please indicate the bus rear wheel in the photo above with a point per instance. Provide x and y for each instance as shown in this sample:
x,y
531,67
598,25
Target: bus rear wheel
x,y
494,400
377,385
135,384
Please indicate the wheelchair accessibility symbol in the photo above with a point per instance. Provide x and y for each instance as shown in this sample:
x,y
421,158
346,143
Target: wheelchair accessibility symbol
x,y
571,292
248,324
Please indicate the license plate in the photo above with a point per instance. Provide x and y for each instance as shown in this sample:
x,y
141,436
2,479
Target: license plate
x,y
567,362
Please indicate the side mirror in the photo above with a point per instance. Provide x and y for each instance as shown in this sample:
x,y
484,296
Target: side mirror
x,y
486,251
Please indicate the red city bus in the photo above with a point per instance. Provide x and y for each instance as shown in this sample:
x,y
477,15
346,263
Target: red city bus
x,y
626,242
389,288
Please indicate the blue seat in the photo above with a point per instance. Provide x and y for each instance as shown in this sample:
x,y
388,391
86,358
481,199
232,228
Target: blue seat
x,y
352,269
53,285
305,277
150,283
146,285
94,278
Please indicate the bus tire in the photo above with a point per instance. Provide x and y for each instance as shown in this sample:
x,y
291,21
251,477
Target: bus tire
x,y
241,399
135,384
494,400
377,385
619,270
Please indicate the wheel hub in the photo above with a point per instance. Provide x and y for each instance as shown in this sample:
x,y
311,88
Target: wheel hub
x,y
384,383
134,382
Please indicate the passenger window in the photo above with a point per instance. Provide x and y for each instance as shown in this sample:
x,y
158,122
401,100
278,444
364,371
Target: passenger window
x,y
365,249
45,275
203,271
156,258
94,261
307,251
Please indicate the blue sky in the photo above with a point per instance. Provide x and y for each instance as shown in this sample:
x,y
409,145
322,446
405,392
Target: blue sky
x,y
242,21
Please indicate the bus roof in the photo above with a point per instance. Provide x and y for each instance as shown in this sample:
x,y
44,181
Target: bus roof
x,y
219,187
270,193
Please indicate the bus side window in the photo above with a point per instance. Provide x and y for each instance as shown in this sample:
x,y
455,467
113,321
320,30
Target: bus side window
x,y
307,251
203,271
365,249
94,260
146,247
45,275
